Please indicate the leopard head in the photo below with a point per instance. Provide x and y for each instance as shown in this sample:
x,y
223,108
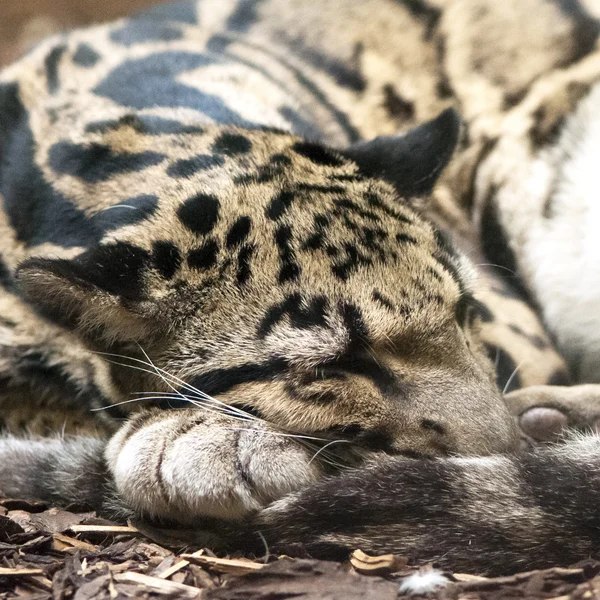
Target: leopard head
x,y
297,283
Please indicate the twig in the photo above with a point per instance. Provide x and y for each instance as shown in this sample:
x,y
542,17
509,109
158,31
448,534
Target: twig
x,y
158,585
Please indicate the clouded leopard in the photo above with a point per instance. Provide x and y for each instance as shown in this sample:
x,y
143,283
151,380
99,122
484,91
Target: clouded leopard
x,y
227,269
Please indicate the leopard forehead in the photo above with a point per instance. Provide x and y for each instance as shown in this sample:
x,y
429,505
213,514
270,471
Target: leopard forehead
x,y
277,221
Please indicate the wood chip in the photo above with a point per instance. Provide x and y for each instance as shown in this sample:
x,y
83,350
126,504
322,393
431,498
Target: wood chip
x,y
41,582
467,577
173,569
8,572
108,529
178,565
482,583
305,579
236,566
158,585
377,565
50,554
64,543
124,566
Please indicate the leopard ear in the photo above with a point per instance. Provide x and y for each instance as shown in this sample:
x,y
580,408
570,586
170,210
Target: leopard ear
x,y
411,162
102,293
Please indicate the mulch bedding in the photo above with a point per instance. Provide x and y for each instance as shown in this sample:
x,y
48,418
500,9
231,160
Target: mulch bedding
x,y
47,553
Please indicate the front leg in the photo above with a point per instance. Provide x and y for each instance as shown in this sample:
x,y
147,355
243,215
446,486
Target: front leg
x,y
185,464
48,380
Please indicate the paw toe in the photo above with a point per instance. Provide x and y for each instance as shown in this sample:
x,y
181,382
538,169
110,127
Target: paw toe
x,y
543,424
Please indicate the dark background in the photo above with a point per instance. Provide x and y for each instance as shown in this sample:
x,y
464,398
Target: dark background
x,y
24,22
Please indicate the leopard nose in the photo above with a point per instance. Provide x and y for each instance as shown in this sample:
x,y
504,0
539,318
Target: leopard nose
x,y
459,413
475,436
450,431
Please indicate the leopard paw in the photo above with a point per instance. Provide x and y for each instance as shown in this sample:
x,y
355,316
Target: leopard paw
x,y
183,465
547,412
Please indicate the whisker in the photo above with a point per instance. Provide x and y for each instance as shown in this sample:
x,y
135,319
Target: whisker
x,y
220,411
371,353
223,407
165,394
471,251
199,393
118,206
178,396
159,372
264,541
199,396
297,436
498,267
171,397
392,345
326,446
198,403
130,401
512,376
164,374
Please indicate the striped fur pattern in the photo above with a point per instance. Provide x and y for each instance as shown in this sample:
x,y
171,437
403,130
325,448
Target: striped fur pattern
x,y
208,213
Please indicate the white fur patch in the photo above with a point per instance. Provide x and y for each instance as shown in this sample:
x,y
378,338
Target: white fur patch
x,y
565,248
423,582
549,207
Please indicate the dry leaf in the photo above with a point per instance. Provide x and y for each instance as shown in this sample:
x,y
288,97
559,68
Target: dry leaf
x,y
305,580
32,506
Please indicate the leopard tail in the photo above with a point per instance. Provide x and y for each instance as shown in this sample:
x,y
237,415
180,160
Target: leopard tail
x,y
493,515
